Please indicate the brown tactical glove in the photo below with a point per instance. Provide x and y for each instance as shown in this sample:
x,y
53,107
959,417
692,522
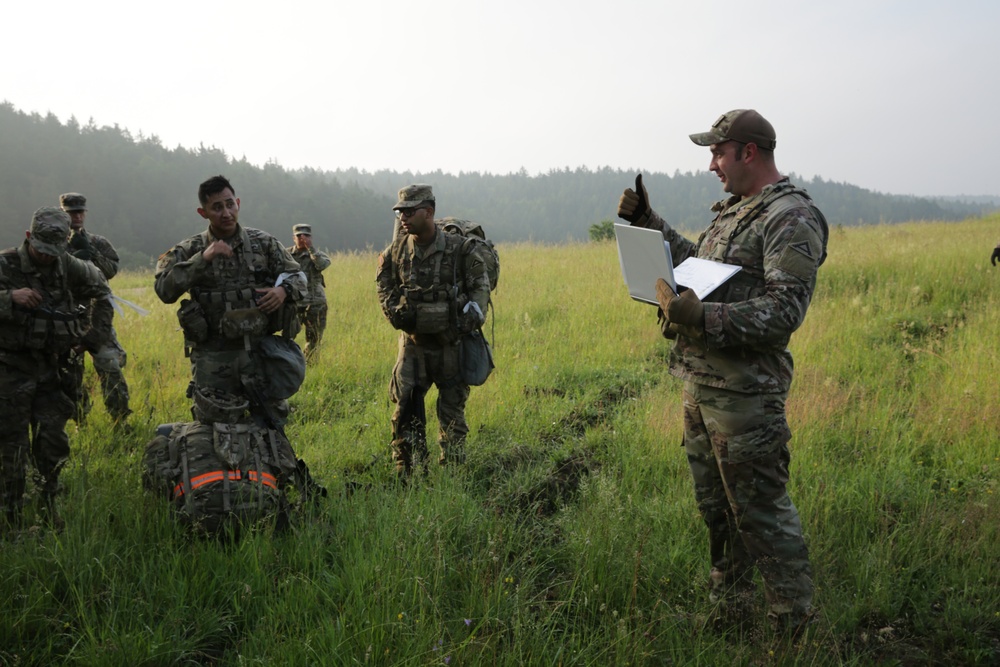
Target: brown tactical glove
x,y
687,315
664,295
634,204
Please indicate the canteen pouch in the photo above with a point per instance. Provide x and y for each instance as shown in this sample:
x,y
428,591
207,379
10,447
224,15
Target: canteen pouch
x,y
193,322
242,322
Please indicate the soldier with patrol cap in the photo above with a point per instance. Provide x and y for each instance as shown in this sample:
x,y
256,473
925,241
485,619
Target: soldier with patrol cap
x,y
731,352
110,359
41,287
312,308
433,291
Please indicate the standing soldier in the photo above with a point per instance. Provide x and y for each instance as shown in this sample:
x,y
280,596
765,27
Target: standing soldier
x,y
731,351
433,292
41,286
111,358
239,280
312,309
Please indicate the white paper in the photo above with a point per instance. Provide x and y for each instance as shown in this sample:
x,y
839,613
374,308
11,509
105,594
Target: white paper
x,y
644,257
703,275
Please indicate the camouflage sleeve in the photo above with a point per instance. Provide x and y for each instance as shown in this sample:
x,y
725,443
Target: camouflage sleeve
x,y
680,247
475,280
104,256
281,263
388,287
177,271
6,300
320,260
794,245
89,283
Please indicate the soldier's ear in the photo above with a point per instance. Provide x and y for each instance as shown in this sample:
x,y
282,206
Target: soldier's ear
x,y
202,213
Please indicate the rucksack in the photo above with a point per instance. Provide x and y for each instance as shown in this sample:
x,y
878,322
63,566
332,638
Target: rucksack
x,y
220,476
476,241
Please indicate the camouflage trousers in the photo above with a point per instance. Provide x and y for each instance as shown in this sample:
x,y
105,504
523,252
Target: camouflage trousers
x,y
34,411
737,448
417,368
313,319
108,363
233,371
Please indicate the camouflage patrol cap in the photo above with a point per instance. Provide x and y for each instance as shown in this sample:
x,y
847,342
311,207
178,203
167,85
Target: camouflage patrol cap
x,y
73,201
302,229
743,125
414,195
49,231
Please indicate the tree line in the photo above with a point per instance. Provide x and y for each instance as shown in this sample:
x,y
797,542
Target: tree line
x,y
143,195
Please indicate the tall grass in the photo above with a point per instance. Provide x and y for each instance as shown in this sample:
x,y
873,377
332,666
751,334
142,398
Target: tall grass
x,y
571,536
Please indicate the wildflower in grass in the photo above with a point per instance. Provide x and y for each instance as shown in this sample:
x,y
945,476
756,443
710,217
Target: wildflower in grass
x,y
468,622
400,616
447,659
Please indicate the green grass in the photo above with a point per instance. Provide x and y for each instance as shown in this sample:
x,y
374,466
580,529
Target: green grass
x,y
571,536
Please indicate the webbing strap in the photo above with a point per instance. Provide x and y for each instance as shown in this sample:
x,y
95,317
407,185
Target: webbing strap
x,y
264,478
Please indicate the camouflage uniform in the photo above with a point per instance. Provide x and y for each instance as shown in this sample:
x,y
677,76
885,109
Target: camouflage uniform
x,y
111,358
422,290
228,324
312,308
736,379
33,404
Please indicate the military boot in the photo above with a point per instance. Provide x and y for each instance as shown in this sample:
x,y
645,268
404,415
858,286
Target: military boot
x,y
452,453
48,513
402,456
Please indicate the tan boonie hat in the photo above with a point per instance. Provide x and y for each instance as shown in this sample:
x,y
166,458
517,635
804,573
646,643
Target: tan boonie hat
x,y
73,201
302,229
414,195
49,231
743,125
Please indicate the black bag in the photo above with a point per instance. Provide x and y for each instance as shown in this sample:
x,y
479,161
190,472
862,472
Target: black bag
x,y
475,358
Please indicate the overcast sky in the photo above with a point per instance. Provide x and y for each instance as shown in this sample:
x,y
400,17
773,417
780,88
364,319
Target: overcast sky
x,y
899,97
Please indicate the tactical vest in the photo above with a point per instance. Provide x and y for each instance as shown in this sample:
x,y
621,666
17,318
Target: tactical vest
x,y
54,326
433,300
749,282
229,307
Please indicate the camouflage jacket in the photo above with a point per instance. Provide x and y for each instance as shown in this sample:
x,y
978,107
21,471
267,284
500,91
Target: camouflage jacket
x,y
102,253
778,238
413,277
257,262
57,324
104,257
313,263
229,283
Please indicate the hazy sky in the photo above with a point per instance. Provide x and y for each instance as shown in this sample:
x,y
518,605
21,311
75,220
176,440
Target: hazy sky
x,y
898,97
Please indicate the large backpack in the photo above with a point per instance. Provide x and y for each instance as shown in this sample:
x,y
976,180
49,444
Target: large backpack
x,y
476,241
220,476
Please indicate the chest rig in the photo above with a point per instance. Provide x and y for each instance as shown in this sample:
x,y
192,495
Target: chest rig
x,y
55,325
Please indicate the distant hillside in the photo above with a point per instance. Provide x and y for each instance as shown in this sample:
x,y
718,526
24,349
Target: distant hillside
x,y
143,195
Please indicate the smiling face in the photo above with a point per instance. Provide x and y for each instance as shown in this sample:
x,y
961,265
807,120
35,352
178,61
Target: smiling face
x,y
222,210
728,164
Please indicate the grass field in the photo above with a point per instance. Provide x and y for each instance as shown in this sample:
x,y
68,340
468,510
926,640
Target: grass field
x,y
571,536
